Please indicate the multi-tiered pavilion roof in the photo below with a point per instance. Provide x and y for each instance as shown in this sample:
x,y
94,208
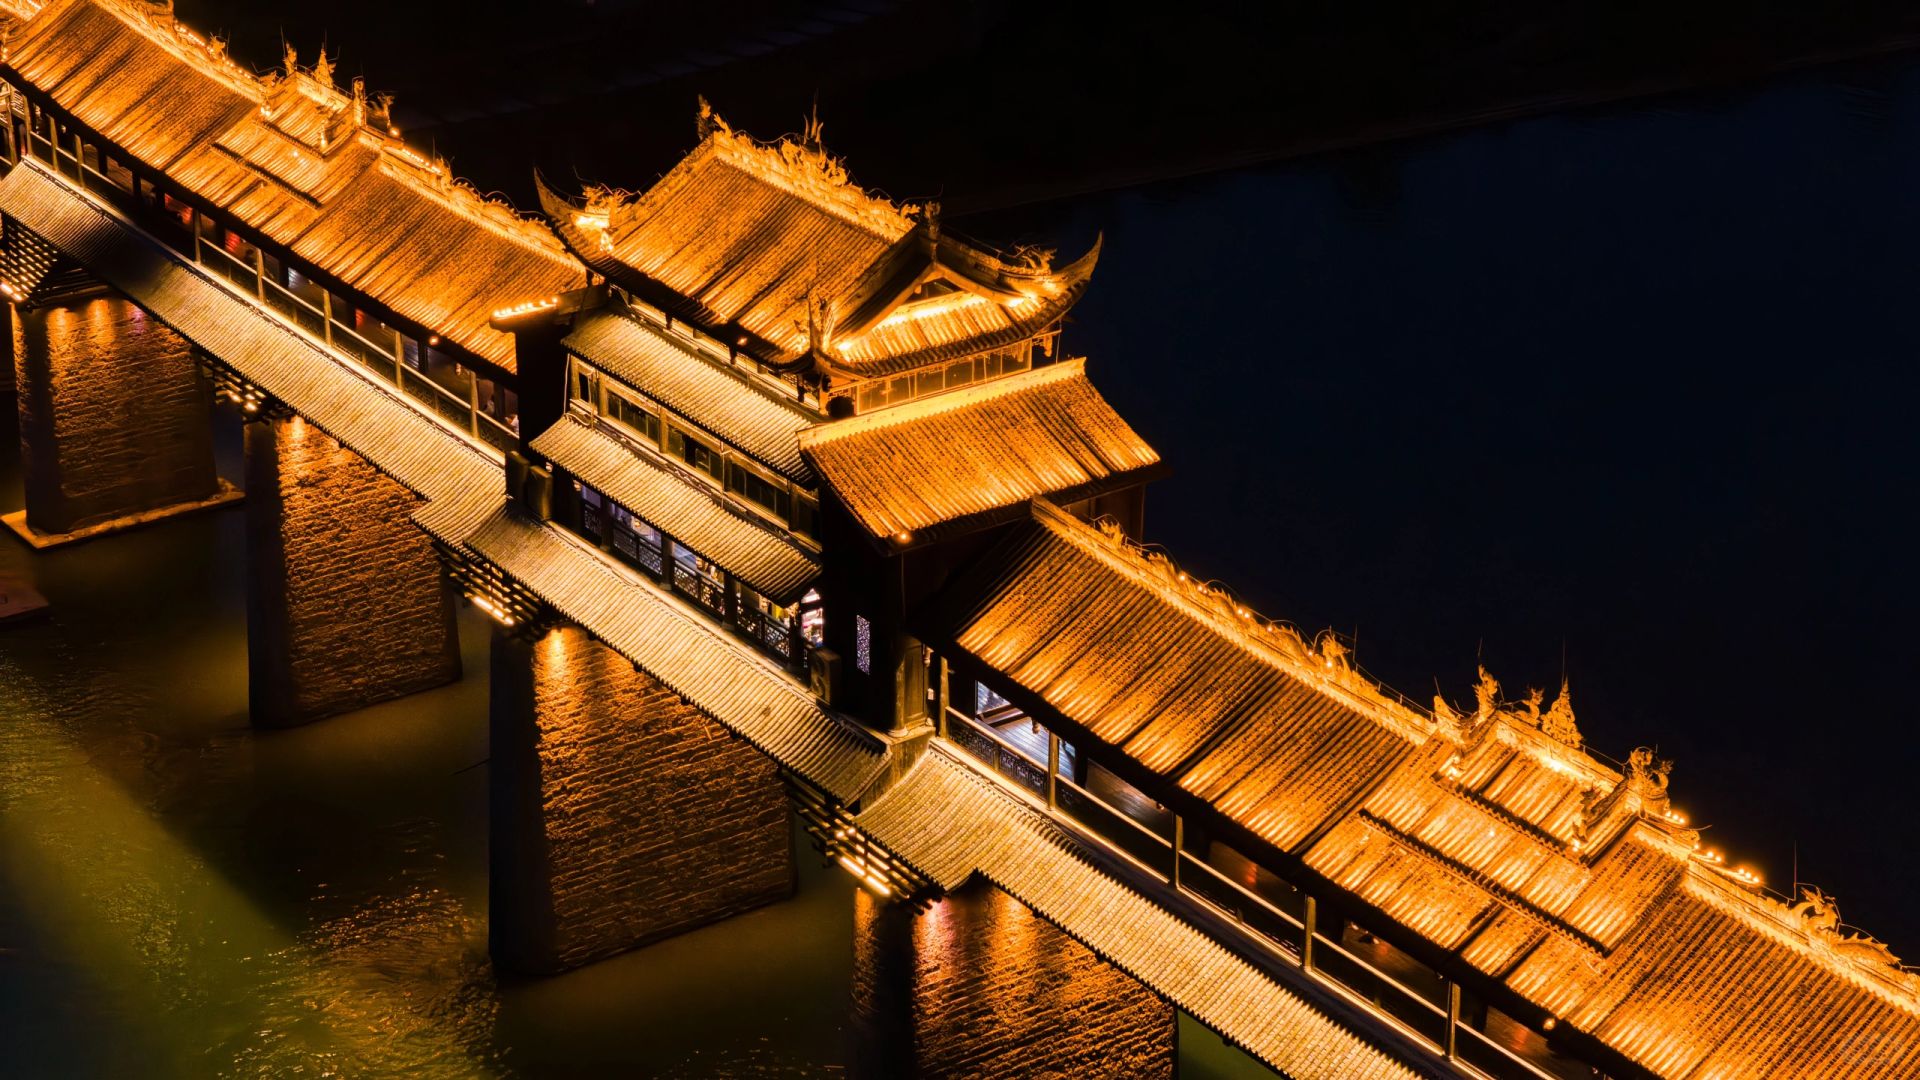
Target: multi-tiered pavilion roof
x,y
773,248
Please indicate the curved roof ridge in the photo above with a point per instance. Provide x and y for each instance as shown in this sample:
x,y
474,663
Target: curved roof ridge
x,y
206,55
404,164
947,401
805,170
1280,643
1776,919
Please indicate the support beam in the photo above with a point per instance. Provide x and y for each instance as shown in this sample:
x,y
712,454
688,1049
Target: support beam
x,y
978,985
347,605
620,815
115,423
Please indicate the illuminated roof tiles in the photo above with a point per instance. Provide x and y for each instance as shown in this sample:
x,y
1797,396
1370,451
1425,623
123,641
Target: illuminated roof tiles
x,y
1085,624
288,155
656,363
977,450
1711,984
423,253
774,246
947,821
990,303
367,415
742,234
124,83
685,509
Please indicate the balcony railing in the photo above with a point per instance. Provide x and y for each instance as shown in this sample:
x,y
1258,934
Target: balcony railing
x,y
249,281
1283,924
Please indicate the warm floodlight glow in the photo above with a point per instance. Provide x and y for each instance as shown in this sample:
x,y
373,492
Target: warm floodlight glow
x,y
526,308
499,613
867,876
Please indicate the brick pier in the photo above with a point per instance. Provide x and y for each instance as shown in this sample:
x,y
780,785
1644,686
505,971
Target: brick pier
x,y
978,986
347,604
620,815
115,424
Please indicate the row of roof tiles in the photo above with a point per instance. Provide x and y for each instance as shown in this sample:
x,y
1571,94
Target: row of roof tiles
x,y
296,159
1475,836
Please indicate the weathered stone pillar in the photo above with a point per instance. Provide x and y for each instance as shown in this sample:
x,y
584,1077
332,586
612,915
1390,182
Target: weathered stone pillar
x,y
347,605
980,986
115,429
620,815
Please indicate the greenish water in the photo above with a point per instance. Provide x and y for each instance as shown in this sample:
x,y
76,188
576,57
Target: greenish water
x,y
183,896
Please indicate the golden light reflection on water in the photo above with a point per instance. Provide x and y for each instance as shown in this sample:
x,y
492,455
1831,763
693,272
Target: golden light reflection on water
x,y
188,898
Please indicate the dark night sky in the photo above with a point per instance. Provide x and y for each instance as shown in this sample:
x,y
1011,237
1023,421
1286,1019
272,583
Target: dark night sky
x,y
1632,381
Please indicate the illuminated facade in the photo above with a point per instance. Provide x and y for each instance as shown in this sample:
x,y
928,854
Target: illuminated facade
x,y
827,473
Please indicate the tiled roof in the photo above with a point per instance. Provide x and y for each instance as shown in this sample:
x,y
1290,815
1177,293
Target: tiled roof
x,y
733,231
289,157
362,413
681,507
1485,836
726,403
1062,612
977,450
947,823
740,237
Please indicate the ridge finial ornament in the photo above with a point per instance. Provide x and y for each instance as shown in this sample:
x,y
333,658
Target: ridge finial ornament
x,y
323,68
810,134
1334,652
290,57
1647,778
1819,916
704,122
1486,696
1558,722
1816,910
1530,708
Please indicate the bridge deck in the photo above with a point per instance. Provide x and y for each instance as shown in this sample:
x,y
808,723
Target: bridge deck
x,y
424,456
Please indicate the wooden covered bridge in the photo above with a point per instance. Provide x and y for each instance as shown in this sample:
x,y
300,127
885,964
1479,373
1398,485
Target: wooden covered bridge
x,y
784,497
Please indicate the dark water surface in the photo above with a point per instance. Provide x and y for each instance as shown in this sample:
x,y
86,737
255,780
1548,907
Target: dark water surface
x,y
1633,386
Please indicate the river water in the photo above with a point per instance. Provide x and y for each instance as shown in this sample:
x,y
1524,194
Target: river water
x,y
183,896
1600,383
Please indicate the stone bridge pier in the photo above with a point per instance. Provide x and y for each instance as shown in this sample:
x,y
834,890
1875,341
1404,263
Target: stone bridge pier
x,y
347,604
115,425
978,985
620,814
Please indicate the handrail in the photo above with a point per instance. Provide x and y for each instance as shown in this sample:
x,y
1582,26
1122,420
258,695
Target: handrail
x,y
1331,979
1246,893
1482,1038
260,303
1409,991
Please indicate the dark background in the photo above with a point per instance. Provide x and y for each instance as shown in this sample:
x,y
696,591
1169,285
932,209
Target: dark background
x,y
1627,380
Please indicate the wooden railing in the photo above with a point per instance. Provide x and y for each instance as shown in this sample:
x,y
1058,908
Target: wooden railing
x,y
1266,921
